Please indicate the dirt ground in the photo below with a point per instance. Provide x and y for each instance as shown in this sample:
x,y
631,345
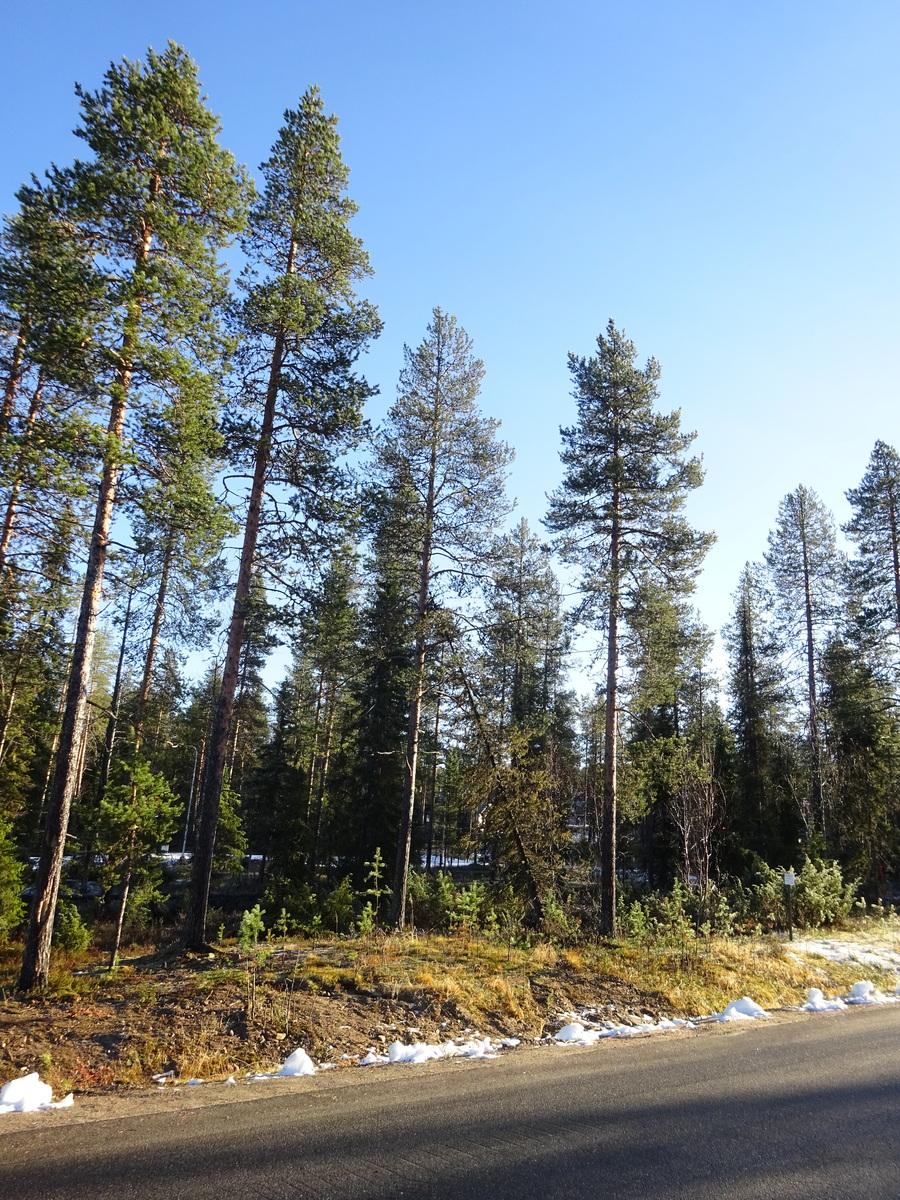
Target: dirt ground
x,y
211,1018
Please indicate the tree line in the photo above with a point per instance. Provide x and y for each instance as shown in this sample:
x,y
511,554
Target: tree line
x,y
185,466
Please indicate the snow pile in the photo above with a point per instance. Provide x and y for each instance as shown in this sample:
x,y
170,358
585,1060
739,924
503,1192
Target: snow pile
x,y
744,1009
865,992
816,1002
578,1034
298,1063
420,1052
839,951
28,1094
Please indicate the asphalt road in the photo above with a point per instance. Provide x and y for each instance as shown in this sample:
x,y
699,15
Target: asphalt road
x,y
806,1108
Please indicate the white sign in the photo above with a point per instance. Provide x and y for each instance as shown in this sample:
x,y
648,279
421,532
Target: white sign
x,y
789,879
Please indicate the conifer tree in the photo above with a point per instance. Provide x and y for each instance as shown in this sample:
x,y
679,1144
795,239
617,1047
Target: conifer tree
x,y
804,568
863,752
765,816
618,514
875,528
436,442
155,203
298,403
524,643
373,768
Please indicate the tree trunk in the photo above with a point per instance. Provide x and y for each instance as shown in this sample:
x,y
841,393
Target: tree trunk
x,y
109,740
895,556
404,838
434,770
13,499
36,959
214,772
324,766
608,831
153,644
11,387
818,802
404,831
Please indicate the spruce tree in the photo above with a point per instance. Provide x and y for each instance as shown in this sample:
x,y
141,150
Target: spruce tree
x,y
618,514
875,528
298,401
155,203
861,765
764,813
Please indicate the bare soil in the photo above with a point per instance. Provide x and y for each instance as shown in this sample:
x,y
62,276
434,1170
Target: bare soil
x,y
97,1032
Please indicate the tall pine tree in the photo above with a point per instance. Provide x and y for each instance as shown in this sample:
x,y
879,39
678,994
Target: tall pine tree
x,y
155,203
299,401
618,514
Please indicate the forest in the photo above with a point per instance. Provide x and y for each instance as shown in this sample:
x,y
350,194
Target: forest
x,y
188,475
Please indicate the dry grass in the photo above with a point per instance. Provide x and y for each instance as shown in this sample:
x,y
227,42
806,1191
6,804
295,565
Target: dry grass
x,y
235,1013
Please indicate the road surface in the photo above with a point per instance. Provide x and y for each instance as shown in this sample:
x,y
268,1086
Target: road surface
x,y
804,1108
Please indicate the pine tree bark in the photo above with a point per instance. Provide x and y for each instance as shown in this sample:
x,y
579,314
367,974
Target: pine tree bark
x,y
895,554
404,831
608,829
66,780
36,959
818,803
13,499
214,771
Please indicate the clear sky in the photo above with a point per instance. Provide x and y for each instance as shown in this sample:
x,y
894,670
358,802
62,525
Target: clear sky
x,y
721,179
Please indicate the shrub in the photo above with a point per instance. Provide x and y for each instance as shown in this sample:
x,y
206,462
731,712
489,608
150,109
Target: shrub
x,y
69,930
821,896
251,929
339,902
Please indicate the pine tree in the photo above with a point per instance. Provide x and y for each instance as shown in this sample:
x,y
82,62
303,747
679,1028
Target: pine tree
x,y
617,512
805,568
49,310
156,202
298,406
436,442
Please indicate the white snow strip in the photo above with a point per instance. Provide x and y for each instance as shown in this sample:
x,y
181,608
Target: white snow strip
x,y
816,1002
420,1052
580,1035
28,1094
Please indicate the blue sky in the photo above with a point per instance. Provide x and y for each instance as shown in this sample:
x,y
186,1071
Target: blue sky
x,y
721,179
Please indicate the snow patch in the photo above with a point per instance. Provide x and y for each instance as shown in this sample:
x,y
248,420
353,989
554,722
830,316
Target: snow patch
x,y
816,1002
580,1035
744,1009
296,1064
420,1052
867,954
865,992
28,1094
